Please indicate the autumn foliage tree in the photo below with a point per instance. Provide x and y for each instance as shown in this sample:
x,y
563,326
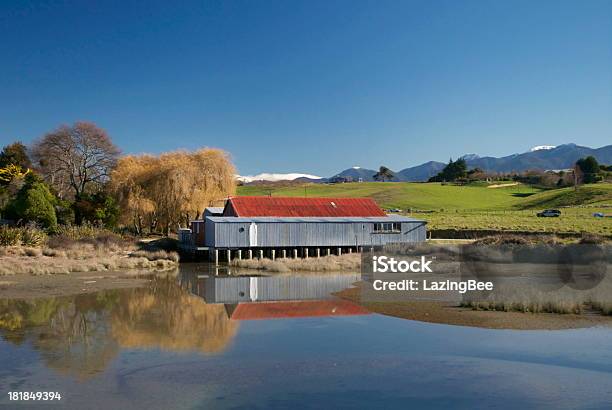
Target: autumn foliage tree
x,y
168,190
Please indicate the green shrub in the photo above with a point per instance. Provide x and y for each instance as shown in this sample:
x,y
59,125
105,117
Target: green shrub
x,y
34,203
98,209
39,206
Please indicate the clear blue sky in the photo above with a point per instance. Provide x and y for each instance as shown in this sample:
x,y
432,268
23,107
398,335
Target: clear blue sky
x,y
312,86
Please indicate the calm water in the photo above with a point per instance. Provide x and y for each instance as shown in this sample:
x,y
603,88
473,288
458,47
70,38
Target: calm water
x,y
202,343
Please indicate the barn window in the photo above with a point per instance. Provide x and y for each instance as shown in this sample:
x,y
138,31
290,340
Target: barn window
x,y
387,227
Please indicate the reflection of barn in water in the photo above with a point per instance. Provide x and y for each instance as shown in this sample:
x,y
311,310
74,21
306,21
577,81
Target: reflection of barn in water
x,y
281,296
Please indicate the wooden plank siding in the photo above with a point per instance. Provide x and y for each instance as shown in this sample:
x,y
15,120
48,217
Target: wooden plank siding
x,y
222,233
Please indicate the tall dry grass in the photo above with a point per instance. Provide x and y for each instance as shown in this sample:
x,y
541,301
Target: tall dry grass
x,y
21,236
45,265
331,263
528,299
81,249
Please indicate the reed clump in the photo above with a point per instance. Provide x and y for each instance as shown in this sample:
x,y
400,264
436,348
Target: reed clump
x,y
22,236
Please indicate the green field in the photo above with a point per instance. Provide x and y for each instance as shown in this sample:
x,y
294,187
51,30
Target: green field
x,y
511,208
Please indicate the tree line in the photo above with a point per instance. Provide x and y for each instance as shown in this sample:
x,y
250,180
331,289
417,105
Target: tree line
x,y
75,174
585,171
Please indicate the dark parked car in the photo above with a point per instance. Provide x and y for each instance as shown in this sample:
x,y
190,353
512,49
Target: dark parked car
x,y
549,213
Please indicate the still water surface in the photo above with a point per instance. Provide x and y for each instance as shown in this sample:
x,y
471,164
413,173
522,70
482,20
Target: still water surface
x,y
196,342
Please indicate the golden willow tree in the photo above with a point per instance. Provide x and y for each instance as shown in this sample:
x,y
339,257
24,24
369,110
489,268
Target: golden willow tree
x,y
168,190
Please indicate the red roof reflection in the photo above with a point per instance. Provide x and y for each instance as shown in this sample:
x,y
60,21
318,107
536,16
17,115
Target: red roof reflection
x,y
295,309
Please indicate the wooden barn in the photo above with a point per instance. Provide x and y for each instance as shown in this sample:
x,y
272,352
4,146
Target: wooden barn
x,y
278,226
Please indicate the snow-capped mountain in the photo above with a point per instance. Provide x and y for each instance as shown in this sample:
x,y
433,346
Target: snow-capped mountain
x,y
542,147
274,177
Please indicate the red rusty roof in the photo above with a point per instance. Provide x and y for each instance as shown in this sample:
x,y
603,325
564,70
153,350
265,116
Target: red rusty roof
x,y
295,309
247,206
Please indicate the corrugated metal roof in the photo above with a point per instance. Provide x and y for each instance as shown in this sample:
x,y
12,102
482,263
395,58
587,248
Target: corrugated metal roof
x,y
247,206
385,218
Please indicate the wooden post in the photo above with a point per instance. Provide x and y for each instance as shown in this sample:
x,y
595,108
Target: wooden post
x,y
328,251
284,253
261,254
339,251
250,253
273,254
306,253
294,253
350,250
216,256
239,254
229,256
318,252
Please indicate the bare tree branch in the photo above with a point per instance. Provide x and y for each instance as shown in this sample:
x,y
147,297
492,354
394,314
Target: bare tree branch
x,y
75,159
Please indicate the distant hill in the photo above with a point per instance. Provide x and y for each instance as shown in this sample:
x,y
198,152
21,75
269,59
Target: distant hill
x,y
367,175
421,172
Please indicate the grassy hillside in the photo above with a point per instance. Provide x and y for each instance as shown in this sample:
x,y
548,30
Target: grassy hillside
x,y
433,196
585,195
511,208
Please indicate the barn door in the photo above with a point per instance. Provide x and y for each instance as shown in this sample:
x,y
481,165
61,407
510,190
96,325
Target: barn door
x,y
253,234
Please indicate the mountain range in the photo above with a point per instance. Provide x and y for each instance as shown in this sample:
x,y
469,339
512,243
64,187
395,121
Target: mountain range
x,y
541,157
544,157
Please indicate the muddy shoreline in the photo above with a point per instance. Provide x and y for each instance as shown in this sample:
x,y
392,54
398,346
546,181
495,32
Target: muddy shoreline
x,y
24,286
